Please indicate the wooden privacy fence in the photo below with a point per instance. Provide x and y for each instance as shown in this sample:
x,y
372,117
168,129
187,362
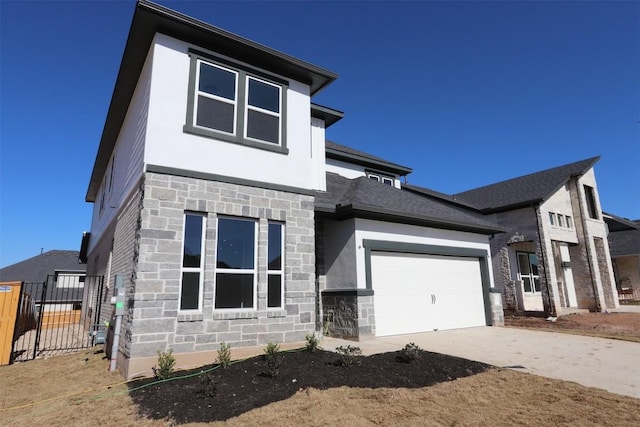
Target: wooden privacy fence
x,y
9,302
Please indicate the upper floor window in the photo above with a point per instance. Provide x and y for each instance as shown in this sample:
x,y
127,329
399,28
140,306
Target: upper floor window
x,y
590,195
552,218
381,178
569,221
235,103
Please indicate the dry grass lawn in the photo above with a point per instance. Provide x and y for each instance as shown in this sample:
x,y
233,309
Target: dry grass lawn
x,y
77,390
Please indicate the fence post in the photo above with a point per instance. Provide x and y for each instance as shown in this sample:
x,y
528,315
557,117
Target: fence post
x,y
43,298
18,325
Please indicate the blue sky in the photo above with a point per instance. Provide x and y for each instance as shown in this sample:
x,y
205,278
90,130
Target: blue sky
x,y
465,93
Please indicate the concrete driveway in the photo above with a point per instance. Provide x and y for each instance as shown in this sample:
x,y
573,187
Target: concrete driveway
x,y
612,365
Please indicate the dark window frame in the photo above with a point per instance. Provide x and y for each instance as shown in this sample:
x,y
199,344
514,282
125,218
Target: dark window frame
x,y
191,269
275,272
590,199
243,76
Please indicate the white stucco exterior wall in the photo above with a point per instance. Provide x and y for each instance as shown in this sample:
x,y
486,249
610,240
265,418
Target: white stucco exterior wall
x,y
169,146
379,230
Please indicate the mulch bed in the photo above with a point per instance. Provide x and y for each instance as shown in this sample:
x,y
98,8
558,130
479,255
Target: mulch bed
x,y
221,394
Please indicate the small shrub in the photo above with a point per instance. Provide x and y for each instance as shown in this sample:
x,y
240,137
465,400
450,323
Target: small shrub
x,y
164,368
348,355
208,385
273,359
224,355
312,342
409,353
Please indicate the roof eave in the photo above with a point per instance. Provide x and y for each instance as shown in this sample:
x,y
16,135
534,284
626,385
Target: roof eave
x,y
363,211
328,115
364,161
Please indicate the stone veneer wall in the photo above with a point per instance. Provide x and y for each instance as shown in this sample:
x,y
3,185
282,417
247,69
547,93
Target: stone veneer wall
x,y
347,314
607,285
155,323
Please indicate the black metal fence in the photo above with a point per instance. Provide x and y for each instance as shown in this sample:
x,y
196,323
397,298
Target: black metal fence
x,y
57,316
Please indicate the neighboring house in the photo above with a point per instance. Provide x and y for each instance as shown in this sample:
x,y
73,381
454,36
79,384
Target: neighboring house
x,y
61,270
624,245
52,286
230,219
555,256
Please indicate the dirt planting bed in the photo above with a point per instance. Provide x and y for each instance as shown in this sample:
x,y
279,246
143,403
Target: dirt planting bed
x,y
624,326
224,393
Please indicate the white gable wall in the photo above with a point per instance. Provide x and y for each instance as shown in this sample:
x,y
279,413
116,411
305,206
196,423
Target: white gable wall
x,y
129,152
560,203
169,146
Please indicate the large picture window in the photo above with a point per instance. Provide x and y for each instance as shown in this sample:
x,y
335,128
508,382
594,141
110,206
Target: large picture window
x,y
192,262
235,103
275,266
236,263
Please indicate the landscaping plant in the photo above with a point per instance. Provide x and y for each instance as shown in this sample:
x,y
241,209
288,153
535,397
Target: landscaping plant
x,y
164,368
312,342
409,353
224,355
348,355
273,359
208,385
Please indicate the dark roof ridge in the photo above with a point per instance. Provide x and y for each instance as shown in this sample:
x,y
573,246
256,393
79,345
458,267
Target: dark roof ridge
x,y
526,190
349,154
590,159
429,192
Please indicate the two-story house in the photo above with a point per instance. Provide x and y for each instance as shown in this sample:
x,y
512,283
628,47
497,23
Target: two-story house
x,y
555,256
230,219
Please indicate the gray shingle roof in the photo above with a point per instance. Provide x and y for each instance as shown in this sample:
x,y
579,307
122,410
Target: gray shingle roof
x,y
37,268
342,152
363,197
624,235
625,242
435,194
524,190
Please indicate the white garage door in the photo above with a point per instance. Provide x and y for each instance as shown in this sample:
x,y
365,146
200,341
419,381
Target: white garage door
x,y
419,293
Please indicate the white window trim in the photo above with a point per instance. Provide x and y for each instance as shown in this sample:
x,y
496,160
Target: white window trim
x,y
552,219
198,93
279,272
193,269
389,180
248,107
253,271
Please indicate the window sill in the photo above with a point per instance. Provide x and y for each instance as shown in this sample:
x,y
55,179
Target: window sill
x,y
276,312
281,149
231,315
191,317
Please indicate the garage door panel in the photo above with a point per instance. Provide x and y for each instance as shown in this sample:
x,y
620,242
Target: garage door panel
x,y
417,292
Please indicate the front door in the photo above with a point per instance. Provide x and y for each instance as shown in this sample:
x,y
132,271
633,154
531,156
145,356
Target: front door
x,y
570,288
530,281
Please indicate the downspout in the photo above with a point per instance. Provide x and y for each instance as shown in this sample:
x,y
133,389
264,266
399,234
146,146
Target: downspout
x,y
586,246
552,310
